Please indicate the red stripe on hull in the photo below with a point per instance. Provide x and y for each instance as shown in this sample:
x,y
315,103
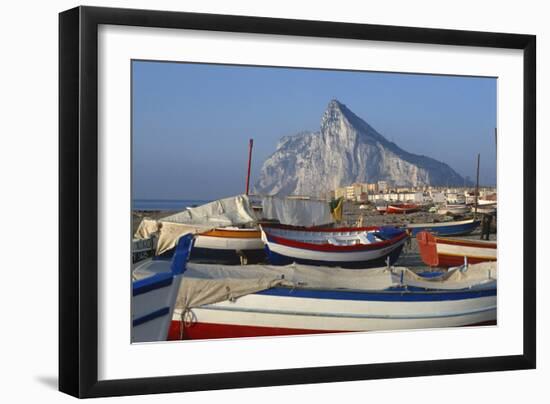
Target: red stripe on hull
x,y
402,209
214,331
332,248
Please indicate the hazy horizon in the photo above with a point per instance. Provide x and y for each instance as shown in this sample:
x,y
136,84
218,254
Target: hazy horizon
x,y
191,122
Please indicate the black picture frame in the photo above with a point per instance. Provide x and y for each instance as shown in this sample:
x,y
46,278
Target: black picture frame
x,y
78,201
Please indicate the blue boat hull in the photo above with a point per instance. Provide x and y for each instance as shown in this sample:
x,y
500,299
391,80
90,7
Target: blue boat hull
x,y
448,230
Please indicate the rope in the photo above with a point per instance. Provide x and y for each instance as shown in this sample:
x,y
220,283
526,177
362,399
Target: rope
x,y
187,319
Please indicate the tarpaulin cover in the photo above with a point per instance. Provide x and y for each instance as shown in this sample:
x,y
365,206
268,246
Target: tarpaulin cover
x,y
231,211
222,213
296,212
204,284
476,275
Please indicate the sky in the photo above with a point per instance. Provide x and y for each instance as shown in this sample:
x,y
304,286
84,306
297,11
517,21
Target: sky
x,y
191,122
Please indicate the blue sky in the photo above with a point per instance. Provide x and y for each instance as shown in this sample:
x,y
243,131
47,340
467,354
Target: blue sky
x,y
191,122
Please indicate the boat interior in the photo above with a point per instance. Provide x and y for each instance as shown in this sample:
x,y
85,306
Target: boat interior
x,y
343,238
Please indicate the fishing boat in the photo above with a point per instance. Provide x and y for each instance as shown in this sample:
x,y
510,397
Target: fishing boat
x,y
227,229
402,208
455,228
448,252
454,209
231,245
177,299
381,209
346,247
182,300
155,287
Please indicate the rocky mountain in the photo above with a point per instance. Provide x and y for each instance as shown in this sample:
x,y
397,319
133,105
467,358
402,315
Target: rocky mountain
x,y
345,150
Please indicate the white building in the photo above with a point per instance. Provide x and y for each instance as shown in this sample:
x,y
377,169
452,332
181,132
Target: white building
x,y
383,186
437,197
416,197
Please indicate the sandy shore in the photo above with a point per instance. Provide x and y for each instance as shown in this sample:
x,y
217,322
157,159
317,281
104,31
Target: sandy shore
x,y
370,217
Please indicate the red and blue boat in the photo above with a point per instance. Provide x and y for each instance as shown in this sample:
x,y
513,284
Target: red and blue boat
x,y
346,247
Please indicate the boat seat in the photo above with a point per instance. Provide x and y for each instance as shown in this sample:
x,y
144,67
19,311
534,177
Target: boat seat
x,y
334,241
366,238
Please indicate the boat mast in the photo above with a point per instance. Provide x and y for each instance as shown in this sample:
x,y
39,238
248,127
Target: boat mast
x,y
250,143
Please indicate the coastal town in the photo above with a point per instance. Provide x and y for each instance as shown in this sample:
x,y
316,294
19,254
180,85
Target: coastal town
x,y
382,191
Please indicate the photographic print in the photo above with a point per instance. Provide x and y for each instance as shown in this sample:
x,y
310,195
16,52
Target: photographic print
x,y
272,201
316,192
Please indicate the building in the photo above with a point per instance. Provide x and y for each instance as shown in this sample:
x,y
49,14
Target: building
x,y
383,186
372,188
437,197
416,197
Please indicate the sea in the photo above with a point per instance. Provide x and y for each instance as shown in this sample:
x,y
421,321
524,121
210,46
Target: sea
x,y
166,204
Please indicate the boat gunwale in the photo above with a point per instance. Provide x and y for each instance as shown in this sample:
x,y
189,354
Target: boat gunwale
x,y
466,242
402,290
443,224
327,247
321,229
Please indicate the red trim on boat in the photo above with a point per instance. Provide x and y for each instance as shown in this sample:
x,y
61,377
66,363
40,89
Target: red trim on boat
x,y
320,229
214,331
336,248
198,331
404,208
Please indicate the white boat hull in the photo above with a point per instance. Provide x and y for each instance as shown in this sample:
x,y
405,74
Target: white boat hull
x,y
257,314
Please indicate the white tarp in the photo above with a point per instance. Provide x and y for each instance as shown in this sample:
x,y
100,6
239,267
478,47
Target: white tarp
x,y
222,213
167,233
296,212
475,275
203,284
231,211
